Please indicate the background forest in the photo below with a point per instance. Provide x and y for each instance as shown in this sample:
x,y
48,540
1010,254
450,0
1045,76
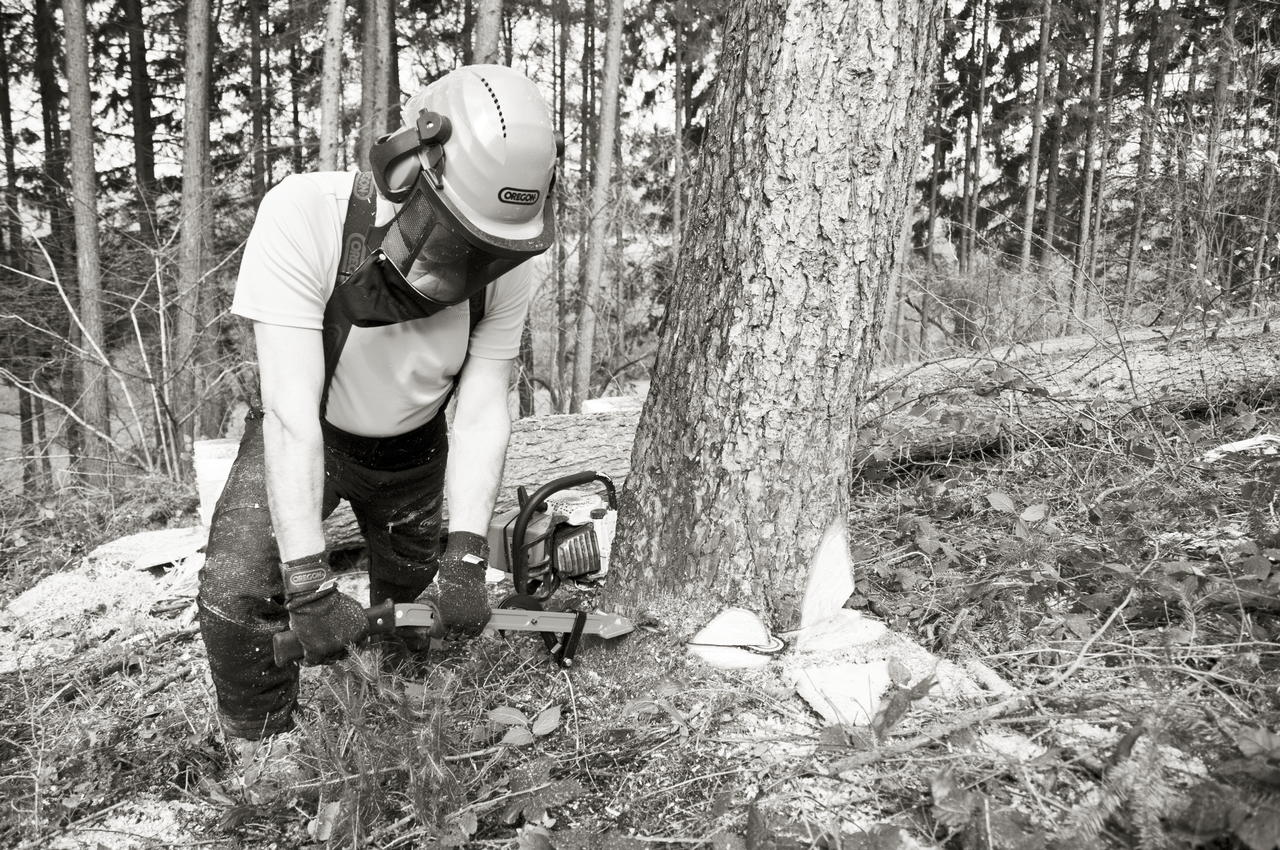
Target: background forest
x,y
1086,163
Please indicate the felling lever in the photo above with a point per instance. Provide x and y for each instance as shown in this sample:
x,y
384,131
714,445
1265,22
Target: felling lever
x,y
561,630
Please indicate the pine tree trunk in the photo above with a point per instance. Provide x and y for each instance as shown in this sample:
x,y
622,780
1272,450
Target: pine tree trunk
x,y
258,175
1096,243
53,191
144,156
1266,230
194,213
584,349
11,230
1079,295
373,103
1152,90
1037,125
677,148
331,85
564,307
295,90
586,127
487,37
1049,236
979,132
740,465
94,458
1206,220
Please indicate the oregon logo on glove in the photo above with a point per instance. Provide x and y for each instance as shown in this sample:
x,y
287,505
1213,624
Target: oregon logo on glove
x,y
527,197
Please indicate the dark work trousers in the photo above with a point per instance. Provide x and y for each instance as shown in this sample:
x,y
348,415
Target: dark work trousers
x,y
396,489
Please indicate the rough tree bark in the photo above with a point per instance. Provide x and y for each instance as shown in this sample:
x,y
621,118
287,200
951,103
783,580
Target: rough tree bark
x,y
593,264
740,463
29,408
258,154
144,127
92,406
194,210
1079,283
1037,125
374,107
1206,223
331,86
1152,91
487,37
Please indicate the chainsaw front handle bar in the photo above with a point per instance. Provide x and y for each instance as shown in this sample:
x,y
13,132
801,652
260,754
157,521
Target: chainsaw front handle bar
x,y
519,554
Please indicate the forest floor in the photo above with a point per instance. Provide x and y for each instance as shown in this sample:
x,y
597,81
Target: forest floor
x,y
1125,586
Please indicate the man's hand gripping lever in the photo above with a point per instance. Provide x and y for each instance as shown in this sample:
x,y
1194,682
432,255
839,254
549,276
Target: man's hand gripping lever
x,y
323,620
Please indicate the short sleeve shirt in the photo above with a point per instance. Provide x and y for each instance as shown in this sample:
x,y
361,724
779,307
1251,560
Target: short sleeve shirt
x,y
391,379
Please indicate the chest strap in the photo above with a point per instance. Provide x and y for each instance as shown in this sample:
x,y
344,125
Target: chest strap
x,y
348,303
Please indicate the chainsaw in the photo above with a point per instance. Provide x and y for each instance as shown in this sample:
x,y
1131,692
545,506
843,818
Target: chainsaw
x,y
540,549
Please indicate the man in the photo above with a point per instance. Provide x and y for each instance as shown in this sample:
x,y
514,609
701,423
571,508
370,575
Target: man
x,y
368,309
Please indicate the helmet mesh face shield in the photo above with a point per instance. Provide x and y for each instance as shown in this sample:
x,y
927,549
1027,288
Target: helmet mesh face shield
x,y
459,258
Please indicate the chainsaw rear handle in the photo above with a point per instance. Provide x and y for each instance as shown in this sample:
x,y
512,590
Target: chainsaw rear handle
x,y
519,554
381,619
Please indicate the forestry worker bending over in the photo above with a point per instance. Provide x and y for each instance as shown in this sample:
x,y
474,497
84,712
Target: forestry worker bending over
x,y
369,308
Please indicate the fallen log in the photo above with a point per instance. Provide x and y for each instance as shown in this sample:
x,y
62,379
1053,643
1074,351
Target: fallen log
x,y
956,408
542,448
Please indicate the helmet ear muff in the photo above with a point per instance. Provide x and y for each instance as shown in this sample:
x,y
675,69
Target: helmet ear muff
x,y
394,157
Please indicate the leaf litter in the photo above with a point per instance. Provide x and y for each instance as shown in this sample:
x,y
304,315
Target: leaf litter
x,y
1134,624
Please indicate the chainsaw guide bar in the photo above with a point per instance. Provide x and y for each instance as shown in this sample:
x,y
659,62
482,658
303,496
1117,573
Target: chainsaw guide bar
x,y
561,630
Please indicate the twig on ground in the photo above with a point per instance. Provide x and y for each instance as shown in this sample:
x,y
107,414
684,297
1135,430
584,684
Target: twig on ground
x,y
975,716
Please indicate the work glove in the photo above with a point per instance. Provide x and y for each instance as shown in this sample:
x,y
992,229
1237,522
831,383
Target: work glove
x,y
461,595
324,620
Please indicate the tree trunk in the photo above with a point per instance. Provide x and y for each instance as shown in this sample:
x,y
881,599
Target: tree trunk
x,y
1078,303
144,155
374,109
586,127
1037,125
1266,231
1104,157
11,230
1151,96
740,465
53,188
331,85
487,38
677,148
295,91
193,215
564,306
1206,220
599,213
258,173
1049,237
93,459
979,131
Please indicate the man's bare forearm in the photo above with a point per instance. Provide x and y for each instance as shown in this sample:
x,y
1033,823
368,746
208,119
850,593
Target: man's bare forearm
x,y
291,366
295,483
476,458
478,445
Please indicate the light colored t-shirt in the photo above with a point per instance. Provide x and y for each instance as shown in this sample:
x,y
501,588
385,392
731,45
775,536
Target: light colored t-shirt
x,y
391,379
